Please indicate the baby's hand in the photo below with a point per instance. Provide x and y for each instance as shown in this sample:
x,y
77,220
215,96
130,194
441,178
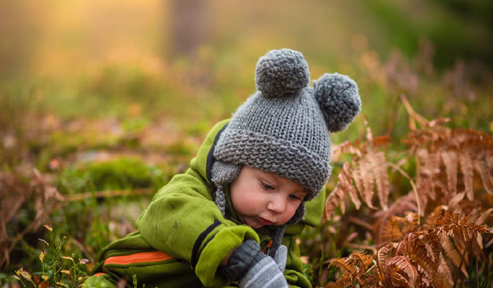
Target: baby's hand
x,y
253,269
281,257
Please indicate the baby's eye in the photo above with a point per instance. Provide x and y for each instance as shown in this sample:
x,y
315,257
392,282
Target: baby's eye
x,y
267,186
295,197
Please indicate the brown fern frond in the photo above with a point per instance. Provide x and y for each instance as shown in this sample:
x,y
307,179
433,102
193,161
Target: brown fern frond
x,y
450,161
399,272
336,197
433,216
455,234
366,169
385,253
346,148
444,276
349,187
458,156
358,174
381,178
431,242
365,173
454,203
453,168
402,206
424,256
435,253
482,218
364,260
466,166
461,227
352,267
481,165
345,265
396,228
452,252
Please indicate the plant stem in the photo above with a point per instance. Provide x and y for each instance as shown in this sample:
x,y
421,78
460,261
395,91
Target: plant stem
x,y
415,190
456,276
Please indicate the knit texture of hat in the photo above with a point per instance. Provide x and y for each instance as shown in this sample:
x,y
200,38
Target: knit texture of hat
x,y
284,127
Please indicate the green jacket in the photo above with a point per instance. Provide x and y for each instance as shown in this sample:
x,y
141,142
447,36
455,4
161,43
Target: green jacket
x,y
182,236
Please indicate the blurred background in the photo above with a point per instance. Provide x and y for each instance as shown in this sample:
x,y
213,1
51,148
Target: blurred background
x,y
95,58
153,70
118,94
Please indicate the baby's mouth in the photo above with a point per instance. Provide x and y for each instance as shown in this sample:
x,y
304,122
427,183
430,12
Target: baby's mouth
x,y
264,221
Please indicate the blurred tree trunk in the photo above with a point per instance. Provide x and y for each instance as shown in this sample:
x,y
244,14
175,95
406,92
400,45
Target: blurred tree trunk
x,y
189,26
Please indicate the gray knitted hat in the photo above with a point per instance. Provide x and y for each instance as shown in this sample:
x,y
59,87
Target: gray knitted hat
x,y
284,127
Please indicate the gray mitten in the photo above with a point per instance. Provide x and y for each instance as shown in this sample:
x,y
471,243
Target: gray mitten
x,y
253,269
281,256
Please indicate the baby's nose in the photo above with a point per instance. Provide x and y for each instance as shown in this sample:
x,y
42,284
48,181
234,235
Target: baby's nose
x,y
277,204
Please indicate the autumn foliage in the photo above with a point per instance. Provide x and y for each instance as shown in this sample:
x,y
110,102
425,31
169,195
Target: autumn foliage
x,y
428,236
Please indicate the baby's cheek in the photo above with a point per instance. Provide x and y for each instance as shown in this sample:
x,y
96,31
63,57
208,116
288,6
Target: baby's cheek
x,y
288,215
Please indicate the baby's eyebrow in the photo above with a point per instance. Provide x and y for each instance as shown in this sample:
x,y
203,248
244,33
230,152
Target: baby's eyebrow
x,y
302,192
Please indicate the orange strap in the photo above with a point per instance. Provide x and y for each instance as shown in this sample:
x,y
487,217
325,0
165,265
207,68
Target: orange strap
x,y
267,247
153,256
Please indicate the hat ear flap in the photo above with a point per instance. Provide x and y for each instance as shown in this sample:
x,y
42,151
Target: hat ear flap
x,y
222,175
338,98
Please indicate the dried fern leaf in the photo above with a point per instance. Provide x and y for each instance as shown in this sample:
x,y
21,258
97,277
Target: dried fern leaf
x,y
399,207
444,276
396,228
353,268
449,159
432,245
479,240
434,163
421,160
485,172
364,259
357,175
467,170
381,178
433,216
348,186
416,251
454,202
391,230
400,272
346,148
334,200
368,182
482,218
348,269
452,252
384,254
344,264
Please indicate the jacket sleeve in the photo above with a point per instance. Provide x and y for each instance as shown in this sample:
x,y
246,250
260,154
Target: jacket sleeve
x,y
184,222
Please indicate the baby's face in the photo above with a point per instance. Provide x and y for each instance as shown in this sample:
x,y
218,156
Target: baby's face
x,y
261,198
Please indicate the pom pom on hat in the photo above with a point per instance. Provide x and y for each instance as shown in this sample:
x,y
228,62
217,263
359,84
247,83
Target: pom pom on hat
x,y
338,98
281,73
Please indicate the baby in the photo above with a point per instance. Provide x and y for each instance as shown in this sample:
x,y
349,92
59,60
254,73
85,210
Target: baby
x,y
233,217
